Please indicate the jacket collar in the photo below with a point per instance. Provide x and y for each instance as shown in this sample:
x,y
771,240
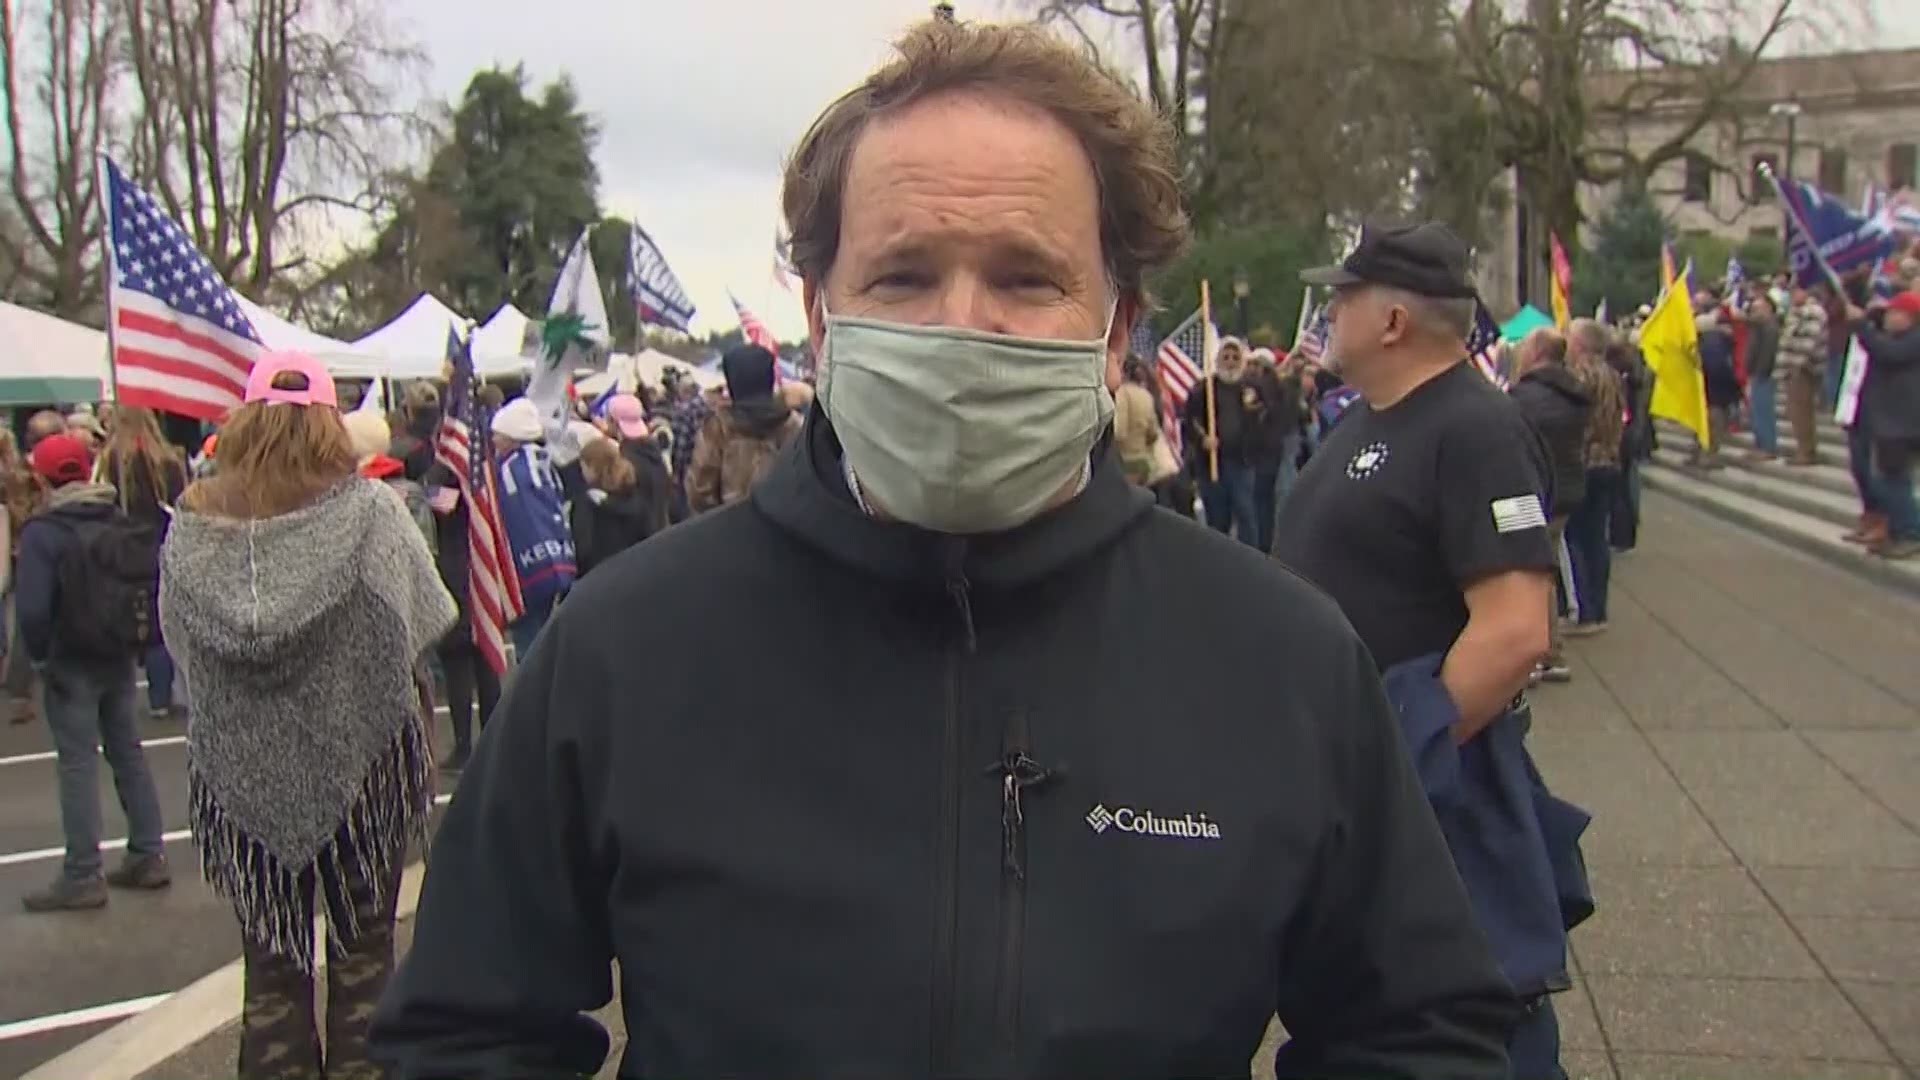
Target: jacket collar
x,y
806,495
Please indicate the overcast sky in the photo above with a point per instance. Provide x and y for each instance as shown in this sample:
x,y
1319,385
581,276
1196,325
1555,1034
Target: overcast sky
x,y
699,101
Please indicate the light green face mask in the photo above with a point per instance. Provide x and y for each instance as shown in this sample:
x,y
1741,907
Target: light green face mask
x,y
962,431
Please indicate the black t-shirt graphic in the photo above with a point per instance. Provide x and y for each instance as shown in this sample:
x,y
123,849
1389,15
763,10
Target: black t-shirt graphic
x,y
1400,509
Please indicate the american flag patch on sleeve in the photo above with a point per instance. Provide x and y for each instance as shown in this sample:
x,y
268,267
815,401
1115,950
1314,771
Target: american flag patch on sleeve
x,y
1518,513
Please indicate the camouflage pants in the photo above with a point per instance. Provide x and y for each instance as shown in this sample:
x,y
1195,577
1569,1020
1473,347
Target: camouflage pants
x,y
279,1038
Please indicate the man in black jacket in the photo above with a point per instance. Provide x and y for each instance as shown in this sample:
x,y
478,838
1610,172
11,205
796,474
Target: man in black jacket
x,y
1890,398
1554,402
1233,434
951,818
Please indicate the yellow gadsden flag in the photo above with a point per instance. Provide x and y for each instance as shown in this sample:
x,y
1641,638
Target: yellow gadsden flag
x,y
1672,348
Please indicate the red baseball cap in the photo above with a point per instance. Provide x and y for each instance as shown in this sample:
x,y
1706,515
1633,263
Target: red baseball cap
x,y
62,459
1906,303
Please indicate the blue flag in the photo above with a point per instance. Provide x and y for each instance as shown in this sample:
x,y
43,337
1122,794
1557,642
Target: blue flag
x,y
657,295
1825,235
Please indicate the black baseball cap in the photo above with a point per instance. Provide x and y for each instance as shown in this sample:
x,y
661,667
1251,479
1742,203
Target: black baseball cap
x,y
1427,259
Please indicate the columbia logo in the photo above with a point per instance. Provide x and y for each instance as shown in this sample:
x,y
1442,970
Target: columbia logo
x,y
1146,822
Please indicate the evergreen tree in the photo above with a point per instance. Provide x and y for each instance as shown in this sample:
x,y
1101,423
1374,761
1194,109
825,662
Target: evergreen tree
x,y
1623,266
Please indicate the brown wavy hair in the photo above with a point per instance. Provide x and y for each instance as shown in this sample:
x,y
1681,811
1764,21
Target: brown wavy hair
x,y
275,458
606,467
20,490
1143,225
135,443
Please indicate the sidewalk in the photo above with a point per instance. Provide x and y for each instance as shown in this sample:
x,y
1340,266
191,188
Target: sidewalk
x,y
1748,738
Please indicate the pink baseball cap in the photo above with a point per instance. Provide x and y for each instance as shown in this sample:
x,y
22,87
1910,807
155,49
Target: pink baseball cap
x,y
318,391
628,415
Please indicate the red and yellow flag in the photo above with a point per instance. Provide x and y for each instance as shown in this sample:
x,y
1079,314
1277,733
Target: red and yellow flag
x,y
1561,281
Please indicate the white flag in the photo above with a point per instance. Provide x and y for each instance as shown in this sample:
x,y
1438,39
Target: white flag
x,y
579,307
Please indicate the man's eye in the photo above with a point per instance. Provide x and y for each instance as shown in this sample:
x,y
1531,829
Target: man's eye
x,y
900,279
1029,283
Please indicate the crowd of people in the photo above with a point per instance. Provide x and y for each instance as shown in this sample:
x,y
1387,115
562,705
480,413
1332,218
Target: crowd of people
x,y
881,772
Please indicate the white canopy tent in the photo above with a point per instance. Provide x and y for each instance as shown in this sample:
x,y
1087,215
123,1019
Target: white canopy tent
x,y
500,343
414,344
50,361
340,357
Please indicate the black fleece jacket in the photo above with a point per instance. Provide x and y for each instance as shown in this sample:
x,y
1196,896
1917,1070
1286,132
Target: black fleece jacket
x,y
883,803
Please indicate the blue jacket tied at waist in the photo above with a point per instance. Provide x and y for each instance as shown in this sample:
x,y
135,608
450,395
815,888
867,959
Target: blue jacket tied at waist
x,y
1516,846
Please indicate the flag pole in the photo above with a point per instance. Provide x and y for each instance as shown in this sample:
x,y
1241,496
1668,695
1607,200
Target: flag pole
x,y
1213,413
1800,223
104,192
1300,324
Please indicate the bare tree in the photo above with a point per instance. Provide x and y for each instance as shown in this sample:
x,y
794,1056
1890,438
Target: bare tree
x,y
56,58
1561,77
1175,39
258,114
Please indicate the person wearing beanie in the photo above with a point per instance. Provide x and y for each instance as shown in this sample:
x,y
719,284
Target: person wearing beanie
x,y
1890,400
531,499
740,441
80,618
372,441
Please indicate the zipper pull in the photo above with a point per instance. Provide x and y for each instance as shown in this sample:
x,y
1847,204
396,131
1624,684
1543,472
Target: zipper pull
x,y
1017,772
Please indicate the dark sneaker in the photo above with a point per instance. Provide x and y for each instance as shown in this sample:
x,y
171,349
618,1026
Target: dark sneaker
x,y
1556,671
141,872
455,761
160,714
68,894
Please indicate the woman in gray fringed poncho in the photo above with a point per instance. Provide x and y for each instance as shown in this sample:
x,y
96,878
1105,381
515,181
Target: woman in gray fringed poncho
x,y
298,599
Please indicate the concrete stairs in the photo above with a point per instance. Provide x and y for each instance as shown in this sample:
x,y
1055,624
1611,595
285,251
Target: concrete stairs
x,y
1806,508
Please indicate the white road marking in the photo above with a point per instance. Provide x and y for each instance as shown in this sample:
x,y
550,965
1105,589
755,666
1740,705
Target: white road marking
x,y
164,740
48,755
93,1014
16,858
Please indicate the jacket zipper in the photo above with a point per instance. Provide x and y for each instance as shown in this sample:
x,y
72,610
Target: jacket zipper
x,y
1018,772
947,883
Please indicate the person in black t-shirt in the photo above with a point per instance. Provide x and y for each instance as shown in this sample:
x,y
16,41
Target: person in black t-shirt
x,y
1423,515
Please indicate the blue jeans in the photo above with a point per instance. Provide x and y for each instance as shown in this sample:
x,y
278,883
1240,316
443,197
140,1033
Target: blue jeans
x,y
1860,465
1289,472
1533,1050
159,665
526,629
1893,472
1766,422
1229,501
89,708
1588,543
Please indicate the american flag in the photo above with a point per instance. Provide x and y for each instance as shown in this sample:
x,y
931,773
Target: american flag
x,y
466,448
658,297
1312,345
181,342
1483,345
754,330
1179,361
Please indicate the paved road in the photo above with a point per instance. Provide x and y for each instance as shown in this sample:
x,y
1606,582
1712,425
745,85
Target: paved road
x,y
1748,737
141,945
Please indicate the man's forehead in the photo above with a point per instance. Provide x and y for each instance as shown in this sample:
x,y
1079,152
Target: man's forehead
x,y
967,167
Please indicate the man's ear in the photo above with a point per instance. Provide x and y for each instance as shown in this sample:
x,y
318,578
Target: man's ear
x,y
1120,339
811,295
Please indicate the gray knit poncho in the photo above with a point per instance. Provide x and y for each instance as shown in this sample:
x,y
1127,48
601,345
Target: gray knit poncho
x,y
308,754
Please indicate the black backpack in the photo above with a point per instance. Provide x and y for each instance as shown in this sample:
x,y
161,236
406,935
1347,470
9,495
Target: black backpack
x,y
108,581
